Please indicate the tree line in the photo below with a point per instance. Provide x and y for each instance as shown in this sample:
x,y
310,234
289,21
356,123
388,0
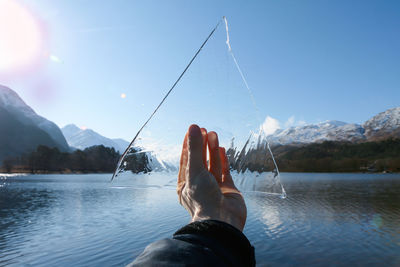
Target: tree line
x,y
318,157
45,159
329,156
383,156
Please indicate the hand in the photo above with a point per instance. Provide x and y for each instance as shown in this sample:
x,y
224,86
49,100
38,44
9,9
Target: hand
x,y
208,192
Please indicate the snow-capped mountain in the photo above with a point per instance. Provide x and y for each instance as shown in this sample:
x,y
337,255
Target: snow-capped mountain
x,y
83,138
254,154
10,101
314,133
157,164
385,124
22,130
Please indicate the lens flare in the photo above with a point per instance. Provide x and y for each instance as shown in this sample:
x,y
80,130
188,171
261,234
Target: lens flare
x,y
123,95
21,37
55,59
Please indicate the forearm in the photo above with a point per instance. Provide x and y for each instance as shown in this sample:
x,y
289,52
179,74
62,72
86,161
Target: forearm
x,y
201,243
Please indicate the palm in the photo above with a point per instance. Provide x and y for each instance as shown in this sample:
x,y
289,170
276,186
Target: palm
x,y
206,189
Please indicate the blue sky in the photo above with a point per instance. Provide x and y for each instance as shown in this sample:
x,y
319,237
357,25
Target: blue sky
x,y
306,60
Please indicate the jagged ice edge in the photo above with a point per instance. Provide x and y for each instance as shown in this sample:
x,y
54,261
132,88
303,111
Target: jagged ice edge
x,y
283,195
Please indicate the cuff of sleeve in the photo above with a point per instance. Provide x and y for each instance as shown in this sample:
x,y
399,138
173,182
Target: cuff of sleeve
x,y
225,236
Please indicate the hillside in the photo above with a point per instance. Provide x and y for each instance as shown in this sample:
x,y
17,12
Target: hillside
x,y
83,138
374,156
328,146
17,137
328,156
22,130
380,127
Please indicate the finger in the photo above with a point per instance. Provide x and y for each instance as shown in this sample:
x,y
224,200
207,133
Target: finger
x,y
224,161
183,163
204,135
227,182
215,161
195,147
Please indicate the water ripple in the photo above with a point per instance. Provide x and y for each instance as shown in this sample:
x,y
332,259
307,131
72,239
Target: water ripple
x,y
83,220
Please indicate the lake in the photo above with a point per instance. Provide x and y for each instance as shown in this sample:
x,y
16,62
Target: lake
x,y
84,220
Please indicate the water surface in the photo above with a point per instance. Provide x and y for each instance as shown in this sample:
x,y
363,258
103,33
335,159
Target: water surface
x,y
84,220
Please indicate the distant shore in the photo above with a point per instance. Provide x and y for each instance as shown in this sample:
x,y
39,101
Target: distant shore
x,y
2,171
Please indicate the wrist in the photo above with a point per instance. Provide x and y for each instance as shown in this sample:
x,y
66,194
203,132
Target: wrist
x,y
226,218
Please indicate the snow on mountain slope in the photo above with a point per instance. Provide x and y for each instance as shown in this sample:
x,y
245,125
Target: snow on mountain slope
x,y
70,130
82,139
156,164
383,125
10,101
324,131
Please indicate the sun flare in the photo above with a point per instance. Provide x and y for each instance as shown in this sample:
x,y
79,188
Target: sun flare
x,y
21,38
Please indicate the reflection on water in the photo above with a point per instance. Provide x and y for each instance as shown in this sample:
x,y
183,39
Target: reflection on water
x,y
335,219
80,220
84,220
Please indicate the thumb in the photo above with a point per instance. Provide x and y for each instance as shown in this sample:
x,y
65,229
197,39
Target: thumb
x,y
195,144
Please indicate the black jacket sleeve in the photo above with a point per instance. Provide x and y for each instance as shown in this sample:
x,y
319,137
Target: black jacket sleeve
x,y
202,243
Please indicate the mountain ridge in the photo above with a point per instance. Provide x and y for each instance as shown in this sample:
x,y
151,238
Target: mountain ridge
x,y
14,104
22,130
319,140
83,138
384,125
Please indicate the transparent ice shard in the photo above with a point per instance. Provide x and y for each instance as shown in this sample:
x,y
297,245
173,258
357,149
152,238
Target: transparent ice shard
x,y
253,167
213,94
